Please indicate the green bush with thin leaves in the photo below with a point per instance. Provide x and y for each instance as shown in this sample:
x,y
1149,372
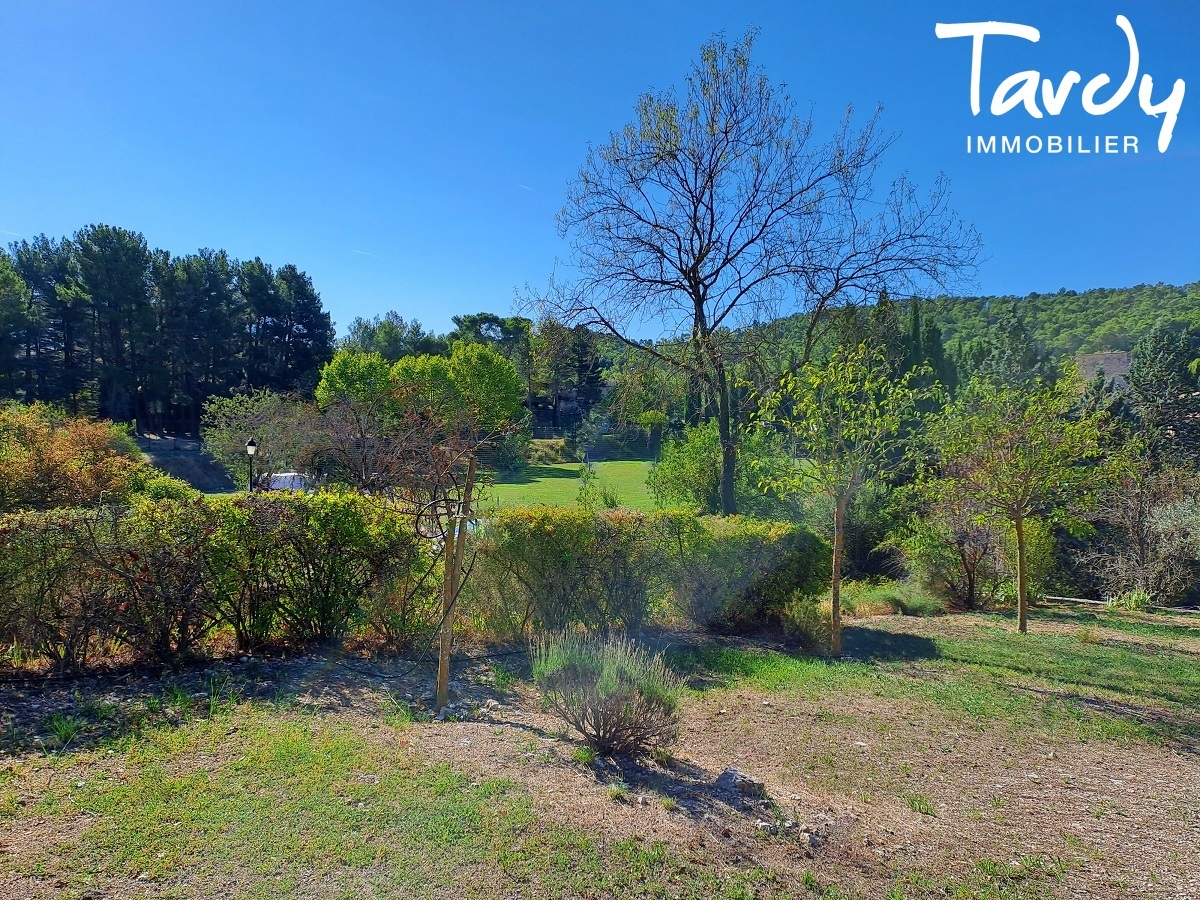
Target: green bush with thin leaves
x,y
619,695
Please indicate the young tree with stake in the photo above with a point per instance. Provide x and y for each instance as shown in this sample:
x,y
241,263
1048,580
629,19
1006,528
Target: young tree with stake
x,y
1021,452
845,422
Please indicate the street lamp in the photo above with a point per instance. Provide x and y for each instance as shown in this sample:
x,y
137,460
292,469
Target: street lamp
x,y
251,447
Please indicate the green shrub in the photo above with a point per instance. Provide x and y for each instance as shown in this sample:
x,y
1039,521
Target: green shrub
x,y
621,697
593,494
404,606
808,619
333,547
688,475
734,572
159,486
52,601
1135,600
547,451
550,567
244,563
152,556
952,552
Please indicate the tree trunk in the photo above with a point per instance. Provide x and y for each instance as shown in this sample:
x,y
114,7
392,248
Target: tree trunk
x,y
728,445
1022,585
835,583
456,542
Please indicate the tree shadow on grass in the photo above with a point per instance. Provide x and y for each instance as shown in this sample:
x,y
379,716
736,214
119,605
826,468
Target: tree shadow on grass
x,y
530,474
874,645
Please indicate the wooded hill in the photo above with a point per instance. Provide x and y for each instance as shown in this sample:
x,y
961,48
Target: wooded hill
x,y
1068,322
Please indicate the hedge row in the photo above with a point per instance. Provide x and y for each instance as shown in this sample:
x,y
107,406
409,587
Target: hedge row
x,y
547,568
160,574
156,576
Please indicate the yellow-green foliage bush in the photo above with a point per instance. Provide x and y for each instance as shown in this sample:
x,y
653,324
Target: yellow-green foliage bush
x,y
551,567
544,451
737,572
548,567
50,459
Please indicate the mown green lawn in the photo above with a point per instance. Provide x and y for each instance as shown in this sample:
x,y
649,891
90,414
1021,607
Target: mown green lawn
x,y
558,485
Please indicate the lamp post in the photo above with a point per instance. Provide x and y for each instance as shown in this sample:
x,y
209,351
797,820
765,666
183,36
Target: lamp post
x,y
251,447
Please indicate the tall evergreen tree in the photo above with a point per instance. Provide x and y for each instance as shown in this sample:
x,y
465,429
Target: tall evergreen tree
x,y
115,267
1164,388
14,325
1011,356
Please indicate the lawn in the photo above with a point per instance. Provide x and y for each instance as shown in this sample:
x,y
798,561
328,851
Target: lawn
x,y
558,485
947,757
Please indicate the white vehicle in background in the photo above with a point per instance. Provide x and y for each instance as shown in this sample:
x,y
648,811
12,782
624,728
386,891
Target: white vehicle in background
x,y
288,481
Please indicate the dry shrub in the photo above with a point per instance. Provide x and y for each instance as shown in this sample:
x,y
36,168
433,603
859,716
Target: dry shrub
x,y
620,696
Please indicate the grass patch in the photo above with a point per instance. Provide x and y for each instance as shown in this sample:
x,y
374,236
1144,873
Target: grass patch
x,y
864,598
286,802
1029,878
920,804
1056,682
558,485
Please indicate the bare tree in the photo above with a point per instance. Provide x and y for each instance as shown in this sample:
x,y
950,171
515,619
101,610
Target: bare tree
x,y
720,209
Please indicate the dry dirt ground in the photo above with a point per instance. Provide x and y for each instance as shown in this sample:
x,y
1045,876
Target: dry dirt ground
x,y
869,788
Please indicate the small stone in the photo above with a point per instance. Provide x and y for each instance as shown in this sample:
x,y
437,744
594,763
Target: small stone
x,y
768,827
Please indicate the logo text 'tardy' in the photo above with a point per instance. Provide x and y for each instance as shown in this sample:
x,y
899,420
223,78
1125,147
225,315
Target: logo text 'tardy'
x,y
1022,87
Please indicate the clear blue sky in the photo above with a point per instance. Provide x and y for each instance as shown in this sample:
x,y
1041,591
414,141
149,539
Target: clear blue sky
x,y
413,156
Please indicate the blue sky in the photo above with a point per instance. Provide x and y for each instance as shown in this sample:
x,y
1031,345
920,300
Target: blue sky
x,y
413,156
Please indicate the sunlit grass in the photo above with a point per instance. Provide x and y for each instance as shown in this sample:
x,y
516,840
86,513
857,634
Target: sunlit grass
x,y
558,485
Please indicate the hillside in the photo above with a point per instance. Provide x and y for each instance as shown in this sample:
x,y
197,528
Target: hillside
x,y
1068,322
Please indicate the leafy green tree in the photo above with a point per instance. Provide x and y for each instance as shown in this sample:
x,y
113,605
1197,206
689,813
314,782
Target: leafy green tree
x,y
430,381
688,475
845,422
489,386
281,426
1021,453
355,377
717,206
393,337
